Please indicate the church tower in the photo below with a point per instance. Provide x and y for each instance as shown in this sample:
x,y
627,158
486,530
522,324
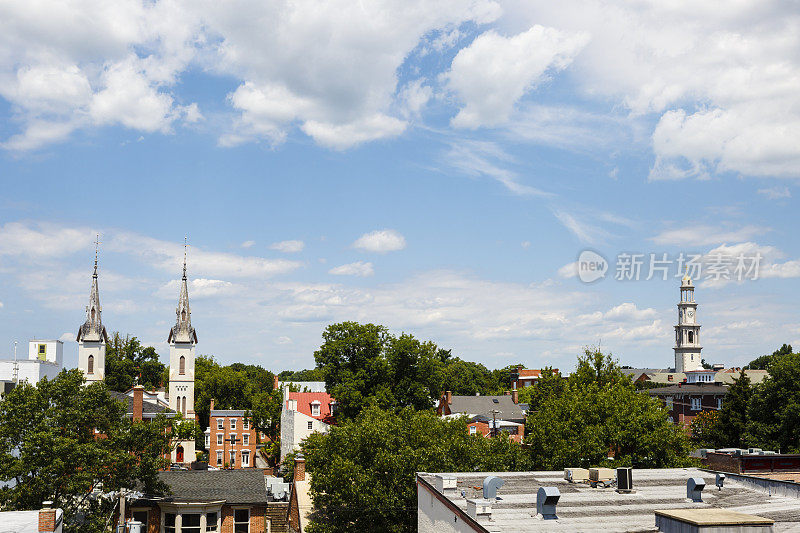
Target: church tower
x,y
687,332
92,336
182,340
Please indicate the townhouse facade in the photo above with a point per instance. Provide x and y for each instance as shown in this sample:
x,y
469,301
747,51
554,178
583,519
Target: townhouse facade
x,y
231,439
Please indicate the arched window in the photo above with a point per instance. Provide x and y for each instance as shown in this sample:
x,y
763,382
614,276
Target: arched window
x,y
90,365
183,315
183,409
92,314
691,336
182,366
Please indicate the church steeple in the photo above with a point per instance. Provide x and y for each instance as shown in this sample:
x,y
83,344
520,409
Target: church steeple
x,y
93,329
183,331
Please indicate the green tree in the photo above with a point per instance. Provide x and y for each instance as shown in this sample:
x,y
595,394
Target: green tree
x,y
774,408
49,449
703,429
314,374
363,472
128,361
549,385
598,411
763,362
731,427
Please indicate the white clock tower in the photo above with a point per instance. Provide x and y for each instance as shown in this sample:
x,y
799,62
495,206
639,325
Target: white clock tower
x,y
92,336
687,332
182,340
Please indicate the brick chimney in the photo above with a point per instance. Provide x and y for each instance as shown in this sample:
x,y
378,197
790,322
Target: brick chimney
x,y
299,468
138,402
47,518
449,395
211,405
515,396
275,382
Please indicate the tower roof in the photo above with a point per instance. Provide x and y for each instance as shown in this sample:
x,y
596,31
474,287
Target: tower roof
x,y
183,331
93,329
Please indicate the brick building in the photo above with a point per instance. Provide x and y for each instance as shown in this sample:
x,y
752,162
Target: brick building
x,y
231,439
685,401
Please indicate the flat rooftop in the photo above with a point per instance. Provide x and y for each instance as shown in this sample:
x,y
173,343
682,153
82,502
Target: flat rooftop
x,y
582,508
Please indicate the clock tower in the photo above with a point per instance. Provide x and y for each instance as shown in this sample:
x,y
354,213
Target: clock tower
x,y
687,332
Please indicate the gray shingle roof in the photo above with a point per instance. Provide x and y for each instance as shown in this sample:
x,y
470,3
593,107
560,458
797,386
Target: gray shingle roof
x,y
684,388
233,486
483,405
147,407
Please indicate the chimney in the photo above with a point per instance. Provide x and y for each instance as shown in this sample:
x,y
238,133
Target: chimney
x,y
47,518
138,402
515,396
211,405
275,382
449,395
299,468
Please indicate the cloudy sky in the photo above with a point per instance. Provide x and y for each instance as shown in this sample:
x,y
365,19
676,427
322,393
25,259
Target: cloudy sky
x,y
436,167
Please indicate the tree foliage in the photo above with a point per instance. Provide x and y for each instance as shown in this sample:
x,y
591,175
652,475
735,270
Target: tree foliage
x,y
49,449
774,407
314,374
128,361
730,428
763,362
363,472
598,411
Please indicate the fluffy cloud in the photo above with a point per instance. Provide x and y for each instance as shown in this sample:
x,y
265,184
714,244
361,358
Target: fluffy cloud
x,y
386,240
775,193
288,247
248,244
43,240
359,268
704,235
494,72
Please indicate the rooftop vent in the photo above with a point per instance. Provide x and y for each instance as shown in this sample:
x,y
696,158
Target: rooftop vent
x,y
444,482
546,500
624,480
576,475
694,488
490,486
479,507
720,481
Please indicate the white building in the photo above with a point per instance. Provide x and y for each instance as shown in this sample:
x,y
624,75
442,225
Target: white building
x,y
45,360
687,332
302,414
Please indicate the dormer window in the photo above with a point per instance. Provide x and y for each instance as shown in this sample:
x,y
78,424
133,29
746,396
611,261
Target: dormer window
x,y
315,408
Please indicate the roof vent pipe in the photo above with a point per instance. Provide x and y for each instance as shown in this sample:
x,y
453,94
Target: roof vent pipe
x,y
720,481
546,500
694,488
490,486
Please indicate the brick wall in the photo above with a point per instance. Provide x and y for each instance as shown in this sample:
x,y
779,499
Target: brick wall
x,y
226,447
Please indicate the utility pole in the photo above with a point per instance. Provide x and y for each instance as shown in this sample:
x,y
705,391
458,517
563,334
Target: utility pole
x,y
16,365
494,422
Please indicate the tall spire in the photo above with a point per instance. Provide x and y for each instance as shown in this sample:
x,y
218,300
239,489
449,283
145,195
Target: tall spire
x,y
183,331
93,329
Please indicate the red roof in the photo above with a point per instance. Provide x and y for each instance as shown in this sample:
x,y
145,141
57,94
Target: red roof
x,y
532,372
306,399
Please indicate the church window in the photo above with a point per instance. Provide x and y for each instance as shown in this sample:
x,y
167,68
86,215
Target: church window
x,y
182,366
691,336
183,315
90,365
183,410
92,314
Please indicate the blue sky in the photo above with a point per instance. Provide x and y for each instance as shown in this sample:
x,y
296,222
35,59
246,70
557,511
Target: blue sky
x,y
436,168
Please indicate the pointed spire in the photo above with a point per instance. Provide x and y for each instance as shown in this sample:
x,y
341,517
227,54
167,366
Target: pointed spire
x,y
183,331
93,329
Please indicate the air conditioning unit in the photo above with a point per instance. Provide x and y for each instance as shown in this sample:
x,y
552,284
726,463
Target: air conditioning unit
x,y
576,475
601,474
624,479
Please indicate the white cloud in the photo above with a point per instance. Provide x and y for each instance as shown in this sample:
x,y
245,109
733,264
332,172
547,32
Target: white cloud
x,y
248,244
198,288
704,235
494,72
386,240
587,232
359,268
570,270
67,337
43,240
289,247
776,193
284,340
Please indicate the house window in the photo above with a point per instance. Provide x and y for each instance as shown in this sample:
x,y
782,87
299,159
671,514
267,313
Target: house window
x,y
140,516
310,424
91,364
220,423
473,430
246,424
190,523
241,521
208,440
233,459
246,439
169,522
219,439
42,352
695,404
314,409
245,458
182,366
211,522
669,377
233,424
219,458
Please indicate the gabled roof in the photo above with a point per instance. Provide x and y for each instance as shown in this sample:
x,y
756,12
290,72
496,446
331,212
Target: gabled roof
x,y
305,399
232,486
483,405
715,389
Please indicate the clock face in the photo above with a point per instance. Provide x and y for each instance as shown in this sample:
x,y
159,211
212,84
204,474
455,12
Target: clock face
x,y
690,313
